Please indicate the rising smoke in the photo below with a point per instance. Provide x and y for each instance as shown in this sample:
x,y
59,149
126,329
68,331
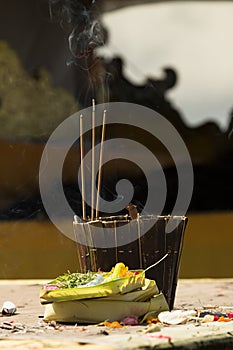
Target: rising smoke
x,y
82,18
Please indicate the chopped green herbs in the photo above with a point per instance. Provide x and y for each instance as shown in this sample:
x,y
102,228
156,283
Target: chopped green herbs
x,y
74,280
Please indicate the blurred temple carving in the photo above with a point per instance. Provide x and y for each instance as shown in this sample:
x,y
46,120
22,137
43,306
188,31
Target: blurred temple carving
x,y
42,83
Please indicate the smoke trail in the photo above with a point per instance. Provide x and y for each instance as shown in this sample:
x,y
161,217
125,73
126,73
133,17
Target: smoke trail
x,y
81,19
85,29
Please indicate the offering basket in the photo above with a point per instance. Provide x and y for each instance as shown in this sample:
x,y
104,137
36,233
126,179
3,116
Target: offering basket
x,y
141,249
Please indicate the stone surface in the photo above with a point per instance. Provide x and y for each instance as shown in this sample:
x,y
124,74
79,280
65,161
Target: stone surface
x,y
26,329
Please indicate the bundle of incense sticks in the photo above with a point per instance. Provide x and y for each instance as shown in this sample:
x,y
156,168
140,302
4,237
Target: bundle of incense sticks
x,y
94,201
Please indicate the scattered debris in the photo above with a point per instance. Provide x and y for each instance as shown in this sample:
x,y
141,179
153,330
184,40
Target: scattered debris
x,y
176,316
152,320
52,324
13,327
158,336
6,325
208,318
114,324
152,329
131,320
208,307
104,332
8,308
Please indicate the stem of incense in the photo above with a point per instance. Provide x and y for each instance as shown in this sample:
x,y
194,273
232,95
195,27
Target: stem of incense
x,y
93,161
100,163
82,167
115,234
139,241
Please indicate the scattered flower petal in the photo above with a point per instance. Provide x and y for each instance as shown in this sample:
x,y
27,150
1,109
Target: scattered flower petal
x,y
131,320
114,324
158,336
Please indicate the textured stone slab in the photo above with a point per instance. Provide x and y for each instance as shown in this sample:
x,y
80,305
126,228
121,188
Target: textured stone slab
x,y
26,329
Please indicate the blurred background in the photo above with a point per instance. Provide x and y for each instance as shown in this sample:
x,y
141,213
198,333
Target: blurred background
x,y
174,57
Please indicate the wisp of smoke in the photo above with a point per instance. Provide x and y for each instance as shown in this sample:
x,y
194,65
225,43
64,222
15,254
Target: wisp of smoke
x,y
82,18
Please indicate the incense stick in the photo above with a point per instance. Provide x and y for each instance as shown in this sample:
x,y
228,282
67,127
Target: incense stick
x,y
82,167
139,241
115,235
100,163
93,161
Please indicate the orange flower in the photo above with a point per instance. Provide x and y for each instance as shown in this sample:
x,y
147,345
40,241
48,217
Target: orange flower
x,y
151,320
224,319
114,324
124,272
